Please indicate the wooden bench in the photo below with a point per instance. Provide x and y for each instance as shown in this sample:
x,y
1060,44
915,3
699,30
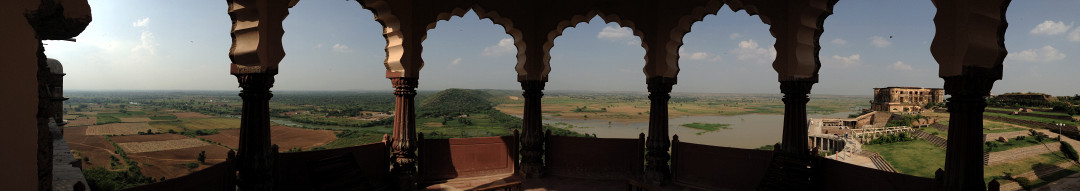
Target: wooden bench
x,y
481,163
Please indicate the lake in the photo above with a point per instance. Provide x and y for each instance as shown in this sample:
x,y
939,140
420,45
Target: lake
x,y
746,131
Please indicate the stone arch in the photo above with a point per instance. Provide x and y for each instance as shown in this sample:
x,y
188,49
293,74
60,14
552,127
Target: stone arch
x,y
405,33
560,27
667,39
796,58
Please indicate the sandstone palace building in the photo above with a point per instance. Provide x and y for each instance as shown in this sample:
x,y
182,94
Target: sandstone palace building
x,y
905,99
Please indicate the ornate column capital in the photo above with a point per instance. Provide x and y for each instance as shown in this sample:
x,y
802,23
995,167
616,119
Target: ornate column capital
x,y
532,87
404,86
255,81
796,87
660,84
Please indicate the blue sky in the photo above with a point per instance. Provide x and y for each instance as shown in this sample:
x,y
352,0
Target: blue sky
x,y
336,45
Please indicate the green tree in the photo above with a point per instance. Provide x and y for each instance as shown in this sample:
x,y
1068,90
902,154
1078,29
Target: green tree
x,y
202,157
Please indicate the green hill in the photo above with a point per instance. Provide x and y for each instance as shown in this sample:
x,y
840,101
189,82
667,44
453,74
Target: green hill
x,y
453,102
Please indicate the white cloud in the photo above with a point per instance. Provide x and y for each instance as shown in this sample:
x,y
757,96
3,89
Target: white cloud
x,y
618,34
505,46
456,61
879,42
141,22
615,33
702,56
848,61
699,55
146,43
734,36
341,48
1050,28
899,65
1074,36
1044,54
749,51
839,41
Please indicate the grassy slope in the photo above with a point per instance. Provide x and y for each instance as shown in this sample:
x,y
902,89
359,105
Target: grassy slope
x,y
918,158
1031,118
1021,166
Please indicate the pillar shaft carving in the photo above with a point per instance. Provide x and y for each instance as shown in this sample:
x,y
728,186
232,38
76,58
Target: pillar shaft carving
x,y
795,98
657,144
964,154
403,141
970,55
532,149
255,153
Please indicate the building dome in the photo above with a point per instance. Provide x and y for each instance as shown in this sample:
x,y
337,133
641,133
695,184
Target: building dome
x,y
54,66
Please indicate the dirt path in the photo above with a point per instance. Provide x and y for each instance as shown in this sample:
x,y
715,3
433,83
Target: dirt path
x,y
1022,153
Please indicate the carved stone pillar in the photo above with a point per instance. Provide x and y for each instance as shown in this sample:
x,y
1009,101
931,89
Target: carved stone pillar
x,y
532,142
255,153
795,98
964,154
656,146
403,142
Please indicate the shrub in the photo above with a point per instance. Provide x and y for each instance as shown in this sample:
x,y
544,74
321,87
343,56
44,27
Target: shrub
x,y
1069,152
192,165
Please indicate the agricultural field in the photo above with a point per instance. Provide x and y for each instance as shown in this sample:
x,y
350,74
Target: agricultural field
x,y
630,107
119,129
287,138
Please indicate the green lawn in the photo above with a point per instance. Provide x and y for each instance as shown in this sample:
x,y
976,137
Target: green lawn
x,y
1030,118
1022,166
918,157
998,127
1015,143
1035,112
707,127
988,127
